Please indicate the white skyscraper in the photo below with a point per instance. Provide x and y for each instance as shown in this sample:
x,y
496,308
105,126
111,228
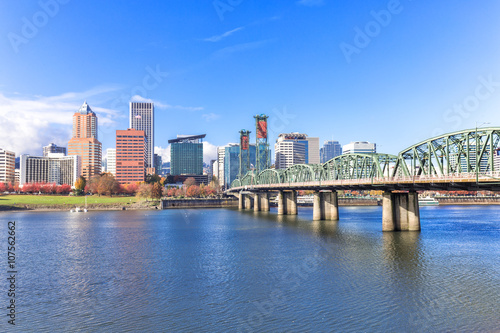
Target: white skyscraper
x,y
111,160
7,166
313,151
221,153
295,148
359,147
142,119
330,150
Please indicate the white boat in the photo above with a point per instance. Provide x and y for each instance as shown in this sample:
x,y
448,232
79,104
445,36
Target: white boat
x,y
428,201
79,210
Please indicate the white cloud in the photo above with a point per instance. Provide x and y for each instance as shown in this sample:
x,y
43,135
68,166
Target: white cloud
x,y
210,116
311,3
164,153
158,104
239,48
29,123
209,152
137,98
217,38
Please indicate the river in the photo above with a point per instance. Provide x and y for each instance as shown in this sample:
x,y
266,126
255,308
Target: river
x,y
221,270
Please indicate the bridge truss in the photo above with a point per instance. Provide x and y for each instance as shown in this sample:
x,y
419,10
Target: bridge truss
x,y
465,155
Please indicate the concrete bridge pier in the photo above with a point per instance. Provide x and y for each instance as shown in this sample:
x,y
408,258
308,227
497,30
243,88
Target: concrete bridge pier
x,y
264,201
281,203
291,202
287,203
325,206
256,202
248,202
241,201
400,212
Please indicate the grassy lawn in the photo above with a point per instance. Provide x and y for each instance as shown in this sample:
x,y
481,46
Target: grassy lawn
x,y
15,200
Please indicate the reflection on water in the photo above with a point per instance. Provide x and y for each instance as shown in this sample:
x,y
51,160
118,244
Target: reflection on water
x,y
223,270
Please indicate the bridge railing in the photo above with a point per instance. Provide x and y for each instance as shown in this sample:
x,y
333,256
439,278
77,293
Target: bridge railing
x,y
451,178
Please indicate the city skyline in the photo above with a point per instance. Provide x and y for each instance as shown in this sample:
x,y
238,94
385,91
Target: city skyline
x,y
341,71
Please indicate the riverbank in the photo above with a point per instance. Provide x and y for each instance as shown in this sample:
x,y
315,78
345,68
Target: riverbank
x,y
96,203
199,203
468,200
66,203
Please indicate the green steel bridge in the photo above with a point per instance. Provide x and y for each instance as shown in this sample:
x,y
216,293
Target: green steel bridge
x,y
463,160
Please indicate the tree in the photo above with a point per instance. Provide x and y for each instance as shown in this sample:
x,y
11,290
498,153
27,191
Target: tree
x,y
80,185
151,179
145,191
28,188
214,184
179,192
44,188
189,182
193,191
63,189
104,183
132,188
107,184
93,184
48,188
156,191
209,191
3,188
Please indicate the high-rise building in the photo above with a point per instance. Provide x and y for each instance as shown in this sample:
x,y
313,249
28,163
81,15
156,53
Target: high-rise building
x,y
84,142
142,119
232,162
210,171
54,168
359,147
458,162
312,150
221,151
158,164
330,150
7,166
215,169
17,176
295,148
186,155
52,148
111,161
130,156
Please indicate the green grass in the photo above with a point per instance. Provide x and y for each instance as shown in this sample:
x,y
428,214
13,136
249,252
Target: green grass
x,y
17,200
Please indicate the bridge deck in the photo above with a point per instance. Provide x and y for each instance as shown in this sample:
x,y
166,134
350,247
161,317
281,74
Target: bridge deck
x,y
463,181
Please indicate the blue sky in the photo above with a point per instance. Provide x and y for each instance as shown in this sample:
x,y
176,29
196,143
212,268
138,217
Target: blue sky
x,y
390,72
